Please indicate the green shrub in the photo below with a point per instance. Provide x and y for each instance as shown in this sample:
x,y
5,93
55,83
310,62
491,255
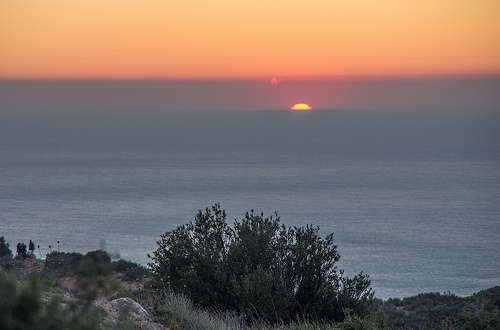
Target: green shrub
x,y
22,307
445,310
259,268
352,321
94,275
95,263
5,251
481,310
22,251
61,264
431,309
131,271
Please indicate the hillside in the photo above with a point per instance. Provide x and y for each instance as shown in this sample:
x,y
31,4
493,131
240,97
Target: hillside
x,y
92,292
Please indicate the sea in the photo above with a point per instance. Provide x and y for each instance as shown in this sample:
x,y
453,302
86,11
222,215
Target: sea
x,y
412,197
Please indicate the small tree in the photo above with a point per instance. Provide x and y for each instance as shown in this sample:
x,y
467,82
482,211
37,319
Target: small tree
x,y
259,268
5,251
21,251
31,248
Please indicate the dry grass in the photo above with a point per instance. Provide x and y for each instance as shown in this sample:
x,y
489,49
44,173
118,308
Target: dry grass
x,y
176,311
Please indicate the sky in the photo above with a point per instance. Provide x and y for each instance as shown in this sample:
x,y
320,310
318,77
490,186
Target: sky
x,y
171,39
222,54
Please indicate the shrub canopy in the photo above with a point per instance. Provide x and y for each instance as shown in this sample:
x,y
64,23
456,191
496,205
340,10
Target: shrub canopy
x,y
259,268
5,251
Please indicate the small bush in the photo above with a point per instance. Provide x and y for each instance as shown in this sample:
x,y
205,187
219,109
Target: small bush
x,y
11,265
5,251
61,264
94,275
22,251
95,263
131,271
376,321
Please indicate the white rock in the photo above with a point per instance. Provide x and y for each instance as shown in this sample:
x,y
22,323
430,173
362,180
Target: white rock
x,y
126,309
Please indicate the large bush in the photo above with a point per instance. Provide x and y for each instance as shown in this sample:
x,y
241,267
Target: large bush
x,y
259,268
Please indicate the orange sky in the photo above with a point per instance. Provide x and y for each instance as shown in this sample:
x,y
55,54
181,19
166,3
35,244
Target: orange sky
x,y
247,38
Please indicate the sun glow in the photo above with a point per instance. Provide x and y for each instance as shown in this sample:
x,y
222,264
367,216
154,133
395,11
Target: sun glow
x,y
301,107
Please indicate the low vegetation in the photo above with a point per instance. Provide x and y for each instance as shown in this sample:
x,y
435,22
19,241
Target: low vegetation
x,y
257,274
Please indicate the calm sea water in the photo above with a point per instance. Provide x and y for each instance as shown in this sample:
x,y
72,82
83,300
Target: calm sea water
x,y
412,197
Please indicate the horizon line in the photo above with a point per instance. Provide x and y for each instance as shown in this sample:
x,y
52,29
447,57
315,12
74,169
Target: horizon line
x,y
261,78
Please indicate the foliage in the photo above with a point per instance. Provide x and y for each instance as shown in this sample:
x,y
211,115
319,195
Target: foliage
x,y
377,321
31,248
38,302
95,263
5,251
93,271
446,310
346,294
22,307
176,311
424,309
62,264
481,310
258,268
131,271
491,295
94,275
22,251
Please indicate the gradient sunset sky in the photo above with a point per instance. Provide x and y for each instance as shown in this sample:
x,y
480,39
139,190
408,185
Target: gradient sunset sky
x,y
247,39
222,54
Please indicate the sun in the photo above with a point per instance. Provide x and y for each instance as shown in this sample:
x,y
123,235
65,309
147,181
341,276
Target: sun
x,y
301,107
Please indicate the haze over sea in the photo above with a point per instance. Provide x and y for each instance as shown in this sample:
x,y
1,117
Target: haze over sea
x,y
412,196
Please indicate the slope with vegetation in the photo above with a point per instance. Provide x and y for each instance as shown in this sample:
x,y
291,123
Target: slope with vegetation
x,y
257,274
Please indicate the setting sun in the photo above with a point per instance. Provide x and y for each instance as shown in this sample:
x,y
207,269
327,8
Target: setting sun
x,y
301,107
